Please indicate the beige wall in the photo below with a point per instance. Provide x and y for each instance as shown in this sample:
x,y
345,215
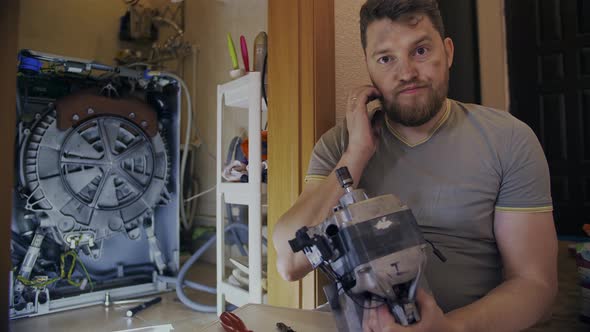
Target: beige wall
x,y
86,29
207,23
350,65
350,60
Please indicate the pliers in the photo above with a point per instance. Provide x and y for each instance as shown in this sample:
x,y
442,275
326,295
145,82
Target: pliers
x,y
232,323
282,327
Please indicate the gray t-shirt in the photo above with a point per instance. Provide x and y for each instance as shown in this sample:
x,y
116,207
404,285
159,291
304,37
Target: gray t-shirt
x,y
477,160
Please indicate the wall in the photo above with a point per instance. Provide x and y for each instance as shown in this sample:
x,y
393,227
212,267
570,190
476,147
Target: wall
x,y
350,59
350,65
86,29
207,23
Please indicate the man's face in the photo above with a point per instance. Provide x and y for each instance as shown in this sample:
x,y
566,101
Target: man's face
x,y
409,63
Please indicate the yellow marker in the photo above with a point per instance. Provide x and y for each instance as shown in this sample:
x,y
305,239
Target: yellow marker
x,y
232,52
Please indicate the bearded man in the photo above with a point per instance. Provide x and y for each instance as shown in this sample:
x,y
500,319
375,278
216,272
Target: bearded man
x,y
475,178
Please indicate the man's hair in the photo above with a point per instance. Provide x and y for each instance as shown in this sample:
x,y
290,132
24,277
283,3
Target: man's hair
x,y
395,10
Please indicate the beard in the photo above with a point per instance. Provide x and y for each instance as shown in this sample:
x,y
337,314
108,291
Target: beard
x,y
423,110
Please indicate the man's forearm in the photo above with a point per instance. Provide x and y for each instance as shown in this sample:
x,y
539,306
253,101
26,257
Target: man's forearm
x,y
310,210
514,305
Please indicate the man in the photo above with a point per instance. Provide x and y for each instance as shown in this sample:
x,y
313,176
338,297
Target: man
x,y
475,178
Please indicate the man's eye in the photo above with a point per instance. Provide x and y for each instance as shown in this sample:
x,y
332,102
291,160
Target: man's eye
x,y
421,51
384,59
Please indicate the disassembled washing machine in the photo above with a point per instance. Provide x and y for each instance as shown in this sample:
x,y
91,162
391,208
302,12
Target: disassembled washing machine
x,y
95,210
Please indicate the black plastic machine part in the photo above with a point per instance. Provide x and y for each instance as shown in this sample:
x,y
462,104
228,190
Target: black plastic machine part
x,y
302,239
344,177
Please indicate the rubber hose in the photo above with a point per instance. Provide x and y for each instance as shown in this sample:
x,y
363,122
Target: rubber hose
x,y
187,265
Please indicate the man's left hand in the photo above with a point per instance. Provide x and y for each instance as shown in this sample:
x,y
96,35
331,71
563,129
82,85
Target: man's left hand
x,y
432,318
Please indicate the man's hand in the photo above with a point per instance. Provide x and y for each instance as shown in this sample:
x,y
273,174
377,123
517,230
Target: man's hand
x,y
432,318
308,210
362,138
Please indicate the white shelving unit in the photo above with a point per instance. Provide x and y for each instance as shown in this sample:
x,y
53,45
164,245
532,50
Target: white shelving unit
x,y
243,93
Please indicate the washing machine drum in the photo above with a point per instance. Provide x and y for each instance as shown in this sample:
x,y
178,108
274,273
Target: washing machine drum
x,y
94,175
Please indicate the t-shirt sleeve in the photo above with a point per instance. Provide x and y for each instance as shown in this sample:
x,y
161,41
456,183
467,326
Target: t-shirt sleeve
x,y
326,154
525,184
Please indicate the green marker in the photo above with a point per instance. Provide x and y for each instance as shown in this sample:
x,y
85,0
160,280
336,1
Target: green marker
x,y
232,52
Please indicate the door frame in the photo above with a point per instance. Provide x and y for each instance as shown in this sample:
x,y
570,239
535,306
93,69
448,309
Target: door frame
x,y
8,31
493,64
301,97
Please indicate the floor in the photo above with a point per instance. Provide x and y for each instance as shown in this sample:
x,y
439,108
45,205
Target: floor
x,y
171,311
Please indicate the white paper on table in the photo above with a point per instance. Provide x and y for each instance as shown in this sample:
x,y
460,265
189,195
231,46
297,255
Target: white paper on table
x,y
156,328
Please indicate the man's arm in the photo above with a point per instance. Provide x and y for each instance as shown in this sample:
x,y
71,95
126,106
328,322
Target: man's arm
x,y
318,198
311,208
528,245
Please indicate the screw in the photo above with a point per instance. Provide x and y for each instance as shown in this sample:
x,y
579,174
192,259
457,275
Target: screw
x,y
75,117
132,115
90,111
64,225
37,116
144,123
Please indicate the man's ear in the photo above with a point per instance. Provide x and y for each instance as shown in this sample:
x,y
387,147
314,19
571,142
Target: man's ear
x,y
449,50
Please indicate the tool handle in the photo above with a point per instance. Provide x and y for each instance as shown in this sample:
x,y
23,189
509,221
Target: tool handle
x,y
131,312
344,177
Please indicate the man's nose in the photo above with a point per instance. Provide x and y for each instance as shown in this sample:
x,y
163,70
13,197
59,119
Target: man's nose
x,y
407,71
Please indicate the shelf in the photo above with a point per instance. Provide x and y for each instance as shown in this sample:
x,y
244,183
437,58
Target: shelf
x,y
234,294
237,295
241,193
243,93
236,93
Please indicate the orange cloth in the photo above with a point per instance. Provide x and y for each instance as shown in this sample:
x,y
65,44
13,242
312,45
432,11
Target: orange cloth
x,y
244,146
